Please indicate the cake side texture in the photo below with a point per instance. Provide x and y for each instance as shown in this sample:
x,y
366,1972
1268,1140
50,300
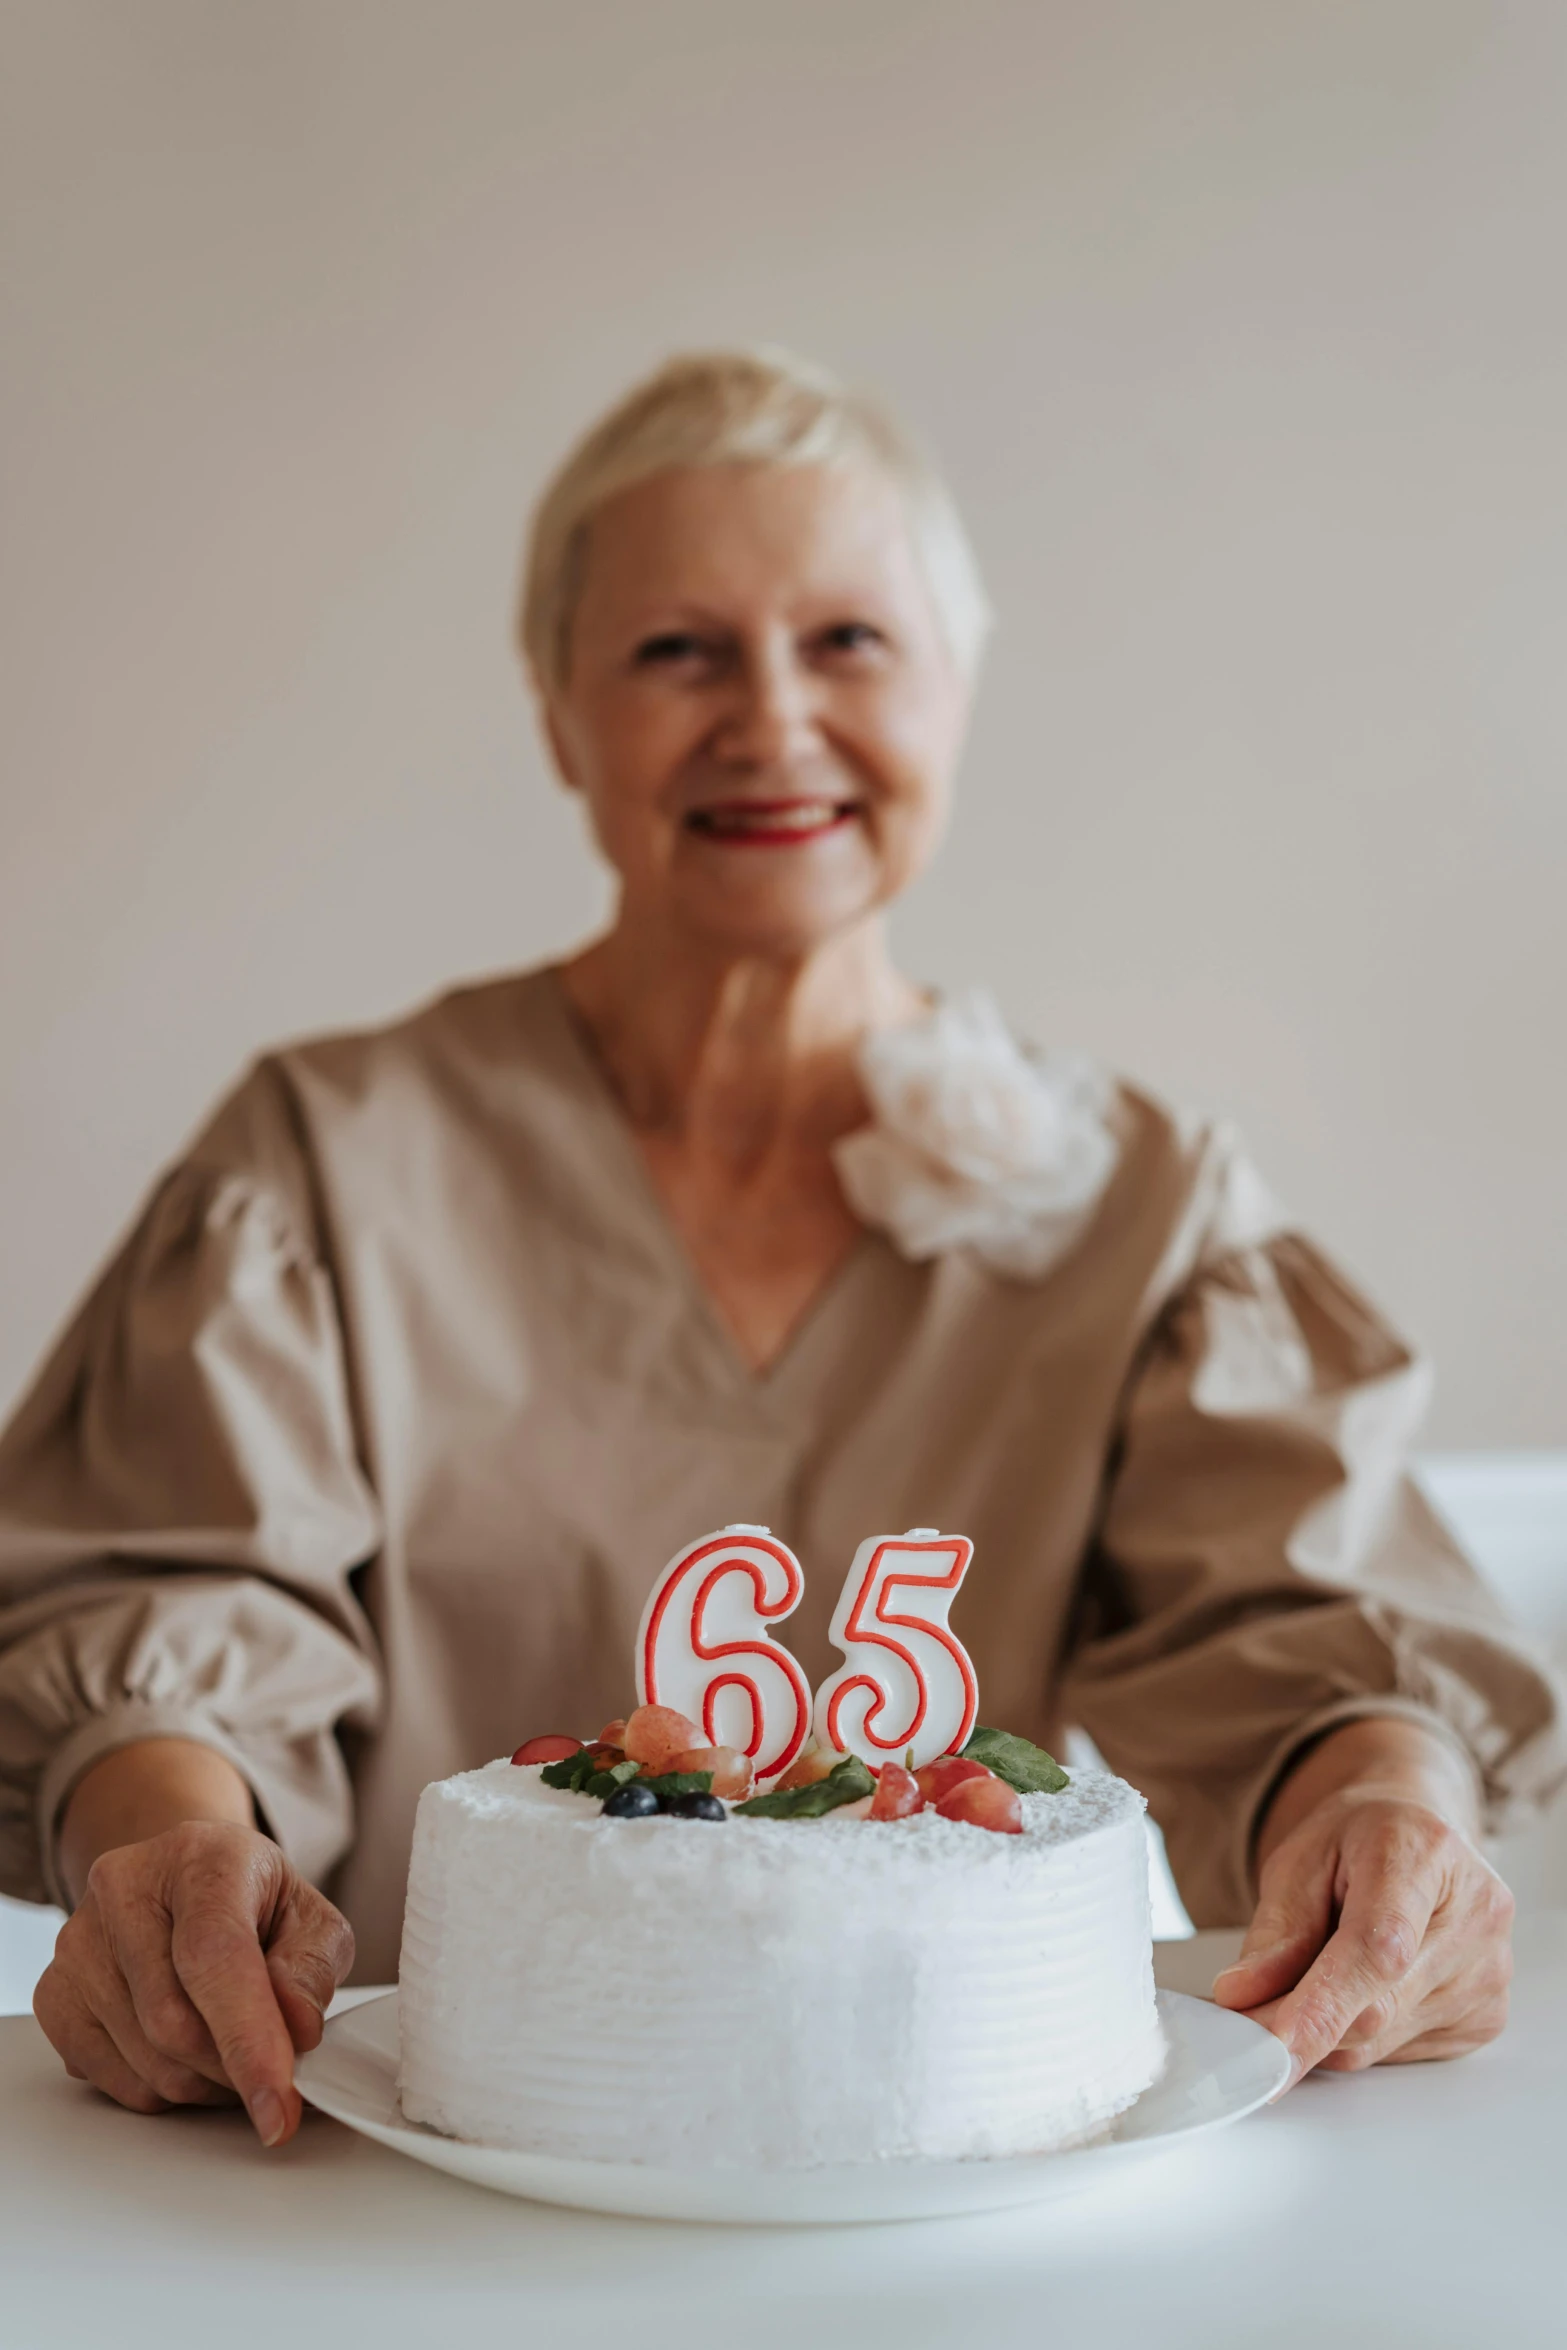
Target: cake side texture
x,y
770,1992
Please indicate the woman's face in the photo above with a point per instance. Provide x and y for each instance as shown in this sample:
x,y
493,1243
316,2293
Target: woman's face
x,y
760,708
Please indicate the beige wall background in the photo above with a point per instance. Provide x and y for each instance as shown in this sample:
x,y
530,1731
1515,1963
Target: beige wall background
x,y
1244,333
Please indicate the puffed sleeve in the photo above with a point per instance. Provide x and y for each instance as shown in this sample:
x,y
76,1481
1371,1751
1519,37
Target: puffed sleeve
x,y
1265,1569
181,1509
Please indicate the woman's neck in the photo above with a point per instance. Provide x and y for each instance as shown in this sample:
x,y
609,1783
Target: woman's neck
x,y
737,1060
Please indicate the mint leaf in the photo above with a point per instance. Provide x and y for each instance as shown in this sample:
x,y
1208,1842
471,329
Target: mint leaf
x,y
846,1782
579,1774
678,1783
1024,1766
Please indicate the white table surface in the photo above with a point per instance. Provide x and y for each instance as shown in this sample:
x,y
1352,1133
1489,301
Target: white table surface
x,y
1414,2205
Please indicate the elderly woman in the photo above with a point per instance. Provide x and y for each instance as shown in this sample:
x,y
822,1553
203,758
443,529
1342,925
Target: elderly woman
x,y
359,1460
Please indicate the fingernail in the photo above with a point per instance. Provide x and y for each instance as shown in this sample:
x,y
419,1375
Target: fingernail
x,y
268,2117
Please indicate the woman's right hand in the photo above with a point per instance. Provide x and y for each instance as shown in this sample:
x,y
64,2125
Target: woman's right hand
x,y
196,1965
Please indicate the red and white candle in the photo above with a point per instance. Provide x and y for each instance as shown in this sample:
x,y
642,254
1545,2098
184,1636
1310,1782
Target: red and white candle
x,y
705,1645
907,1680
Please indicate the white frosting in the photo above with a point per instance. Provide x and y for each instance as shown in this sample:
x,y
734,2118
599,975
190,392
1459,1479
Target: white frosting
x,y
768,1992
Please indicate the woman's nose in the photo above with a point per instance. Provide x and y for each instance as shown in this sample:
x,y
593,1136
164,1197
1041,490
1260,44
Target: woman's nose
x,y
772,718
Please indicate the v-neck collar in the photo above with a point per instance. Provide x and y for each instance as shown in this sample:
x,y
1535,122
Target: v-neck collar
x,y
790,1376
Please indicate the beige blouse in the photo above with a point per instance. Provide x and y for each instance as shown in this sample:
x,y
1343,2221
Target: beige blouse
x,y
359,1461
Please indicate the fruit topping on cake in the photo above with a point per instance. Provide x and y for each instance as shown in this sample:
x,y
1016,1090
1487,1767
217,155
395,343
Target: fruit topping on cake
x,y
635,1801
984,1803
898,1794
658,1765
656,1735
729,1771
697,1806
937,1779
546,1750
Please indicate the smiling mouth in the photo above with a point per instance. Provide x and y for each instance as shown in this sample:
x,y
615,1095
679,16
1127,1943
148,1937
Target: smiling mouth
x,y
761,824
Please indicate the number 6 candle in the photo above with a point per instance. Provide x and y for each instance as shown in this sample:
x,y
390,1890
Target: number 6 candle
x,y
908,1680
704,1645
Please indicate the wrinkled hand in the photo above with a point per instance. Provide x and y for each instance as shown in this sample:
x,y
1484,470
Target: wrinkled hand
x,y
1381,1936
195,1966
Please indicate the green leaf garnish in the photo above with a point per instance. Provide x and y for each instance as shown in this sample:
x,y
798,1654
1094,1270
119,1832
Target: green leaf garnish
x,y
678,1783
580,1775
846,1782
1024,1766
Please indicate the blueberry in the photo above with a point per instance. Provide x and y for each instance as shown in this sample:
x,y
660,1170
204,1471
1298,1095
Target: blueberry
x,y
696,1807
634,1801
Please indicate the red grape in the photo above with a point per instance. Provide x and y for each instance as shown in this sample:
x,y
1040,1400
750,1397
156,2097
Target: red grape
x,y
546,1749
730,1768
984,1803
898,1794
655,1734
938,1778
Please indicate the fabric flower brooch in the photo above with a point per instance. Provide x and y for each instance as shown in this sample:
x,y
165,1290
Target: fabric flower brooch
x,y
973,1144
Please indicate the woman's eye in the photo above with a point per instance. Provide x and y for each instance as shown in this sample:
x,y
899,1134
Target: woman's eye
x,y
851,636
674,644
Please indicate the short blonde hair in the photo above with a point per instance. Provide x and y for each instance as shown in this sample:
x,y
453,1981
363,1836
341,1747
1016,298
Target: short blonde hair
x,y
737,408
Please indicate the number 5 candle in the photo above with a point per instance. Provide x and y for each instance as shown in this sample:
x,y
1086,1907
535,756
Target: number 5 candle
x,y
705,1646
908,1681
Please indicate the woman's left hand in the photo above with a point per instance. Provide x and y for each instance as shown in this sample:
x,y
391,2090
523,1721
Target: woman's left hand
x,y
1381,1934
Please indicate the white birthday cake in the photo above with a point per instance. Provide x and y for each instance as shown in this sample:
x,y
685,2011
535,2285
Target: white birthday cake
x,y
773,1992
615,1952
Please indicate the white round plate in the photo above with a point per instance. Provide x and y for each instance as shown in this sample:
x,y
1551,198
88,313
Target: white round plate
x,y
1220,2067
